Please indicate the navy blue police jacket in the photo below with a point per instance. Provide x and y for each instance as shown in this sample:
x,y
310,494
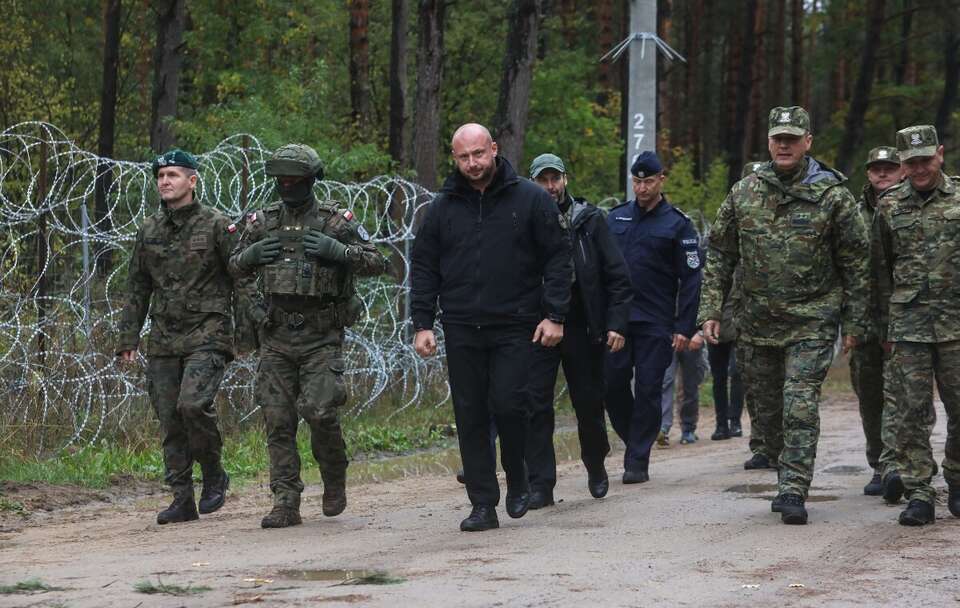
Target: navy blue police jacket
x,y
662,250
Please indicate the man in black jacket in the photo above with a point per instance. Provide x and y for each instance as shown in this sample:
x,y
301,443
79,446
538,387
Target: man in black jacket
x,y
492,250
599,307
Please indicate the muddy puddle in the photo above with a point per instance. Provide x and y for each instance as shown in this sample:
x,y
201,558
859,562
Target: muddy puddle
x,y
766,491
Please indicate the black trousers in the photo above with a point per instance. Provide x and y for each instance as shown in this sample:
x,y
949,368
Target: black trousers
x,y
489,367
723,367
583,368
636,415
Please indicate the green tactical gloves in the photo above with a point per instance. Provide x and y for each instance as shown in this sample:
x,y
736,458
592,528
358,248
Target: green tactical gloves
x,y
319,245
262,252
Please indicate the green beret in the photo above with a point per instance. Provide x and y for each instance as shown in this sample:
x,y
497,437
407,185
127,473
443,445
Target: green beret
x,y
175,158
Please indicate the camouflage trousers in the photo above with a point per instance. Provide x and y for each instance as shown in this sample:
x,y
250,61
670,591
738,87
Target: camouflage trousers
x,y
182,390
909,415
866,376
301,376
766,428
784,384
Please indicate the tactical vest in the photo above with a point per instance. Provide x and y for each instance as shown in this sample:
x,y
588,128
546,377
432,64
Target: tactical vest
x,y
294,273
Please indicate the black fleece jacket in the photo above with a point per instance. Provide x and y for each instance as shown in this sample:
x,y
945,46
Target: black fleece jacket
x,y
500,257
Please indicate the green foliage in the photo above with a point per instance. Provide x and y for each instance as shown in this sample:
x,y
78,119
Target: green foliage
x,y
11,506
168,588
244,452
698,198
32,585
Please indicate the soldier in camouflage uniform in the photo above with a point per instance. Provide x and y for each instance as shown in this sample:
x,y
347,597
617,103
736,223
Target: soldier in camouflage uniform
x,y
866,359
919,230
178,271
796,232
307,253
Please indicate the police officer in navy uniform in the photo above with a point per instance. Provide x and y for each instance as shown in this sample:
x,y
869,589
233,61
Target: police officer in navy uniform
x,y
661,247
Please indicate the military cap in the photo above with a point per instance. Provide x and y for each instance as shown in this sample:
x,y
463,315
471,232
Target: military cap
x,y
750,167
918,140
883,154
298,160
792,120
546,161
175,158
647,164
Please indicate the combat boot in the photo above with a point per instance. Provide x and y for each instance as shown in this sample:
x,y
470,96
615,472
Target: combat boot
x,y
892,488
953,500
875,487
917,513
792,509
481,518
598,482
722,432
285,513
215,484
334,493
736,430
758,461
181,509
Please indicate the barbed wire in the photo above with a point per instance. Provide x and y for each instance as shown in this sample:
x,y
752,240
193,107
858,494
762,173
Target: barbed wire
x,y
63,261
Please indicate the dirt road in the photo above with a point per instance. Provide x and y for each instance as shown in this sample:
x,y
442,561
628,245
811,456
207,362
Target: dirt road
x,y
700,533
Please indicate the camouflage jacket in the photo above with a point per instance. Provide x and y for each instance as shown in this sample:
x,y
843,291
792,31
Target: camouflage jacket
x,y
326,280
868,210
802,249
178,271
919,277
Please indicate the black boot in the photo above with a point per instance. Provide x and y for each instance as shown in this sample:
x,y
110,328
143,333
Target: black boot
x,y
758,461
334,493
892,488
517,502
917,513
722,432
735,429
953,500
215,484
775,504
597,481
875,487
540,499
632,476
181,509
792,509
481,518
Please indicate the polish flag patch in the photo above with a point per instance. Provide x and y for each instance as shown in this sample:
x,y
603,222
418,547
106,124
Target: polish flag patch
x,y
348,214
232,228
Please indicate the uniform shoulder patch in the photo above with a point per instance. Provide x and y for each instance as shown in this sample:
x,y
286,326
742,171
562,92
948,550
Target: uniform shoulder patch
x,y
232,228
693,259
347,214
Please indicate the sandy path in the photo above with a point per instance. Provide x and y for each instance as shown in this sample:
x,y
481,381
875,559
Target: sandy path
x,y
682,539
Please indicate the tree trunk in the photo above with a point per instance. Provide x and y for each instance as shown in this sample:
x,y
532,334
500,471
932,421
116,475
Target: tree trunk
x,y
694,67
511,120
951,75
744,82
667,114
426,126
360,61
853,129
399,121
603,15
796,50
167,55
753,130
776,66
108,120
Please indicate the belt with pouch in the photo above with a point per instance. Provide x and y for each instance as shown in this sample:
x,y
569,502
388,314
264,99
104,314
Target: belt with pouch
x,y
328,315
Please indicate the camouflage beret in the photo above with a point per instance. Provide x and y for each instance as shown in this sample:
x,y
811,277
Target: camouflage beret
x,y
792,120
175,158
918,140
883,154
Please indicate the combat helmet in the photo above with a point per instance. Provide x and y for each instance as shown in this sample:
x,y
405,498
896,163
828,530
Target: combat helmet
x,y
295,159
